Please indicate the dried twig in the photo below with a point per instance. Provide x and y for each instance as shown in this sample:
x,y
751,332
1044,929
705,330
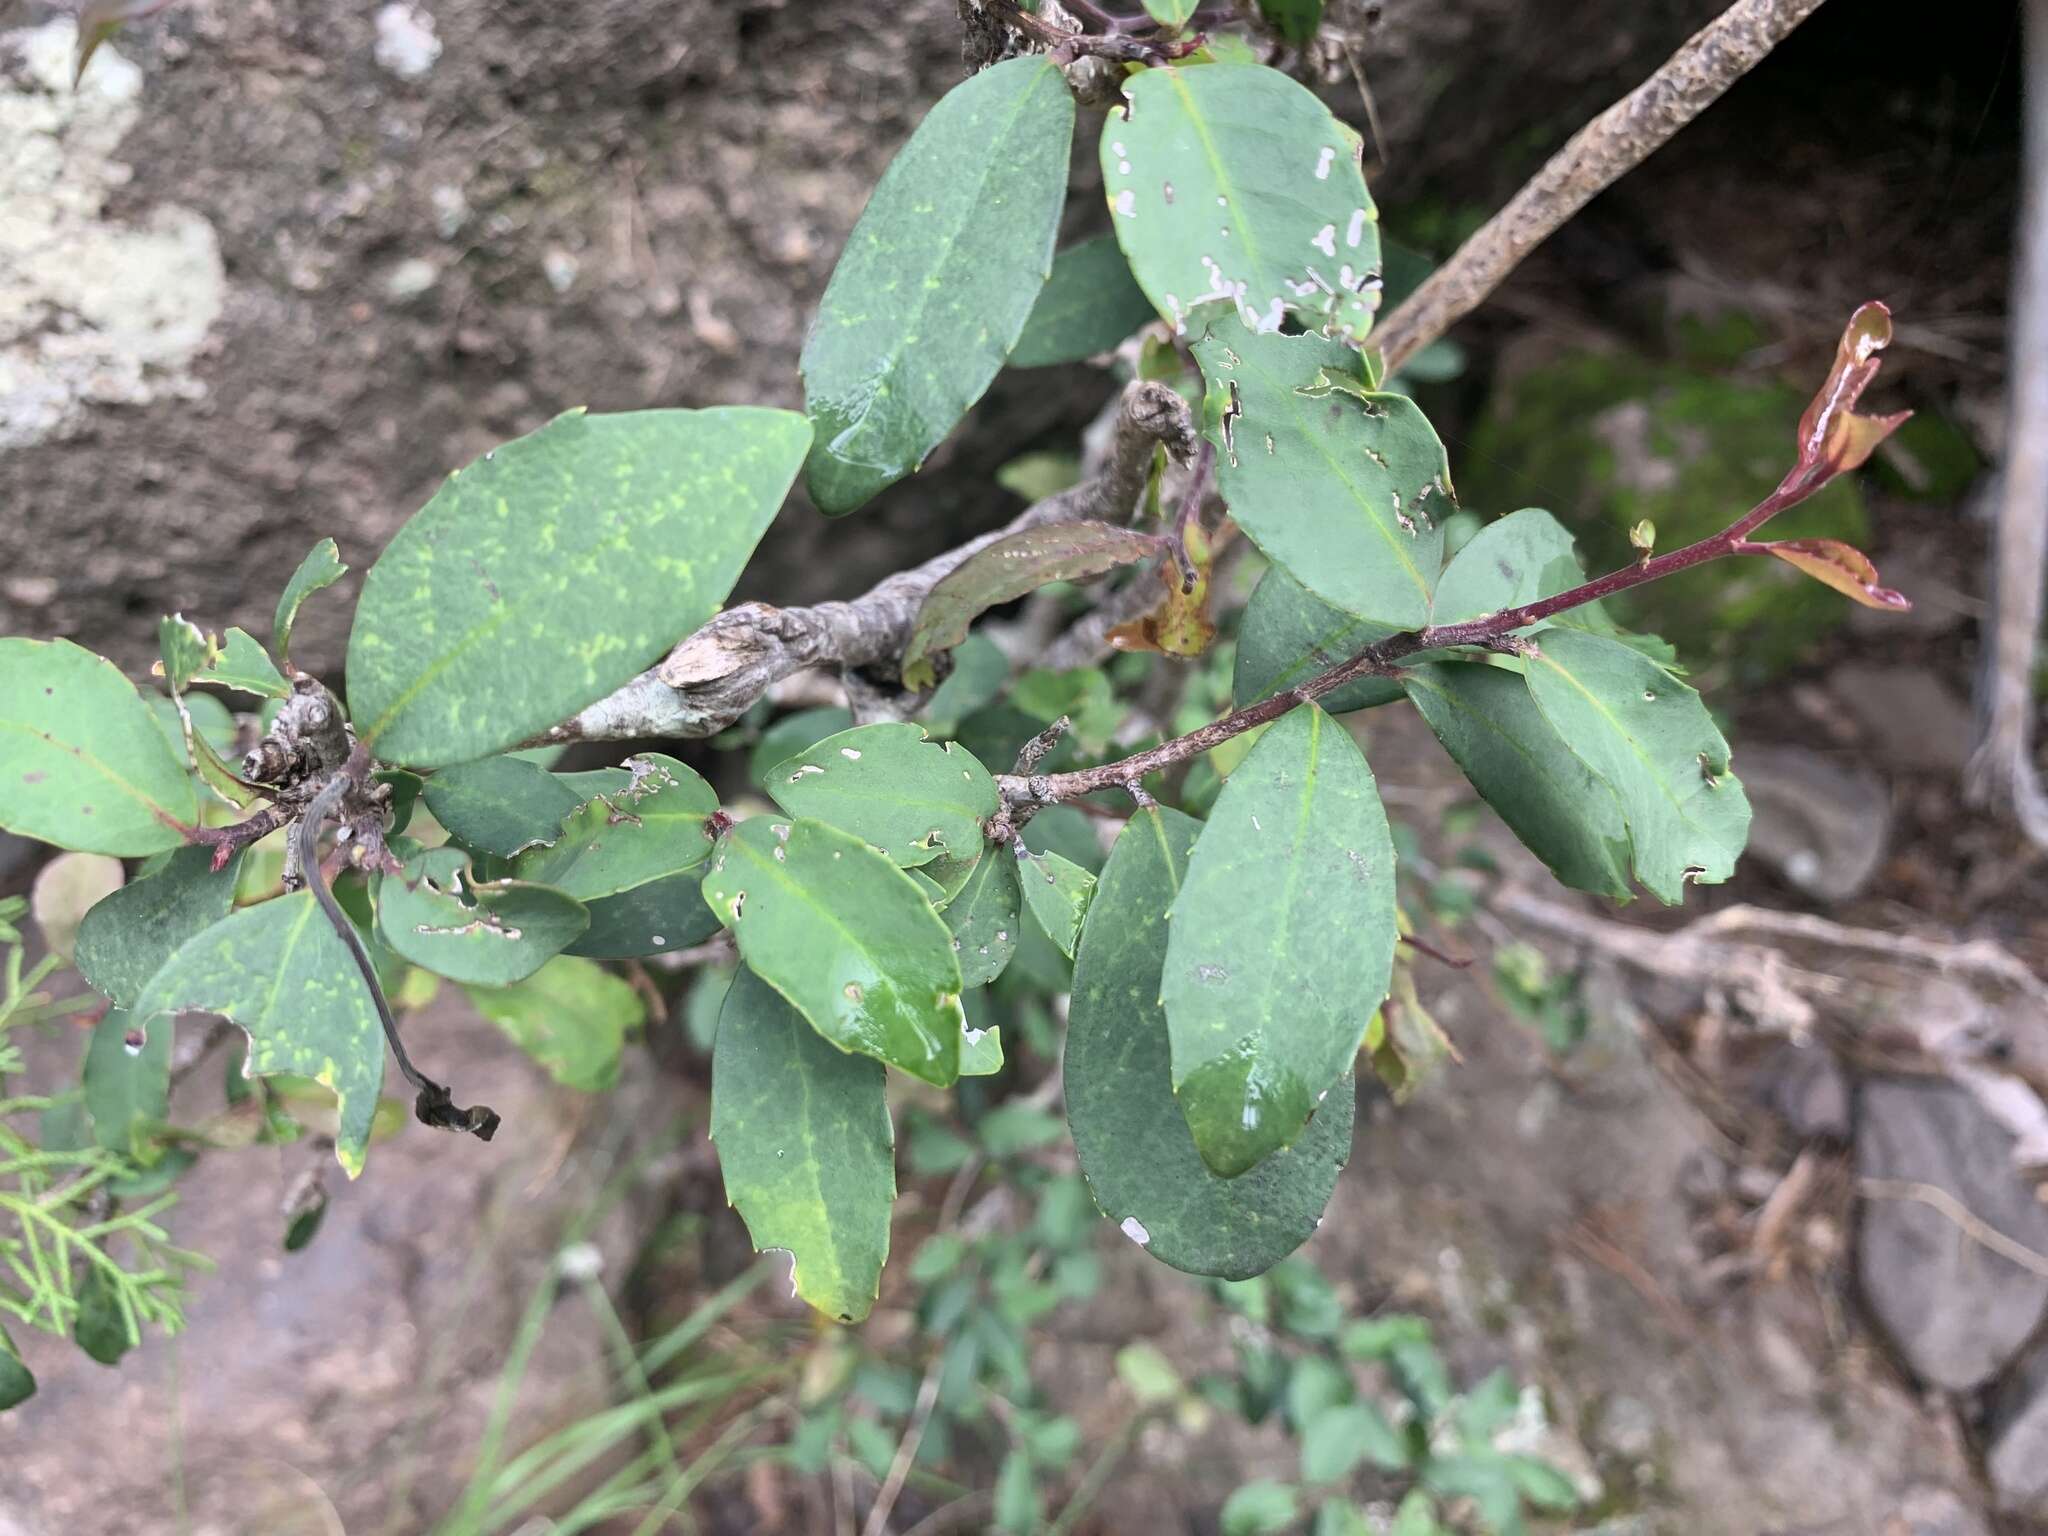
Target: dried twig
x,y
1966,1221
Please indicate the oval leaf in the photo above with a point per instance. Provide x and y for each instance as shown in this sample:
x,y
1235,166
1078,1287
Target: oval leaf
x,y
1841,566
805,1146
493,933
937,278
1650,738
1057,891
841,932
1089,305
321,568
1512,560
984,920
553,569
650,919
1233,188
887,784
500,805
125,939
1133,1142
1288,635
17,1381
654,826
571,1016
1282,941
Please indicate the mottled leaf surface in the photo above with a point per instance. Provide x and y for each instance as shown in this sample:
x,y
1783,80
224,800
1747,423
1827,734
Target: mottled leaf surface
x,y
1282,940
321,568
571,1016
493,933
82,763
555,568
1089,305
1288,635
910,797
984,919
500,805
1512,560
1134,1144
1650,738
806,1148
937,279
127,1077
126,938
1057,891
841,932
654,826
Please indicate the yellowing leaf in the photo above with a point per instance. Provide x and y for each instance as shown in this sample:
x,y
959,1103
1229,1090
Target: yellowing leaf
x,y
1841,566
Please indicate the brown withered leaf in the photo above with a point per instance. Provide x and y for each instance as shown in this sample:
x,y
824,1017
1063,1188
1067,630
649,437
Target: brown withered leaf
x,y
1841,566
1180,625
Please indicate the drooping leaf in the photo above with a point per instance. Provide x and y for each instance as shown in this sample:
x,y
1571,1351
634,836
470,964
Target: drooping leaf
x,y
17,1381
984,919
1841,566
1180,625
242,664
572,1016
1562,810
887,784
806,1148
1058,893
1089,305
1294,20
1133,1142
127,1077
1233,189
841,932
492,933
1282,941
555,568
1288,635
1512,560
1342,488
321,568
281,972
656,918
500,805
82,763
937,278
1013,565
654,826
1650,738
125,939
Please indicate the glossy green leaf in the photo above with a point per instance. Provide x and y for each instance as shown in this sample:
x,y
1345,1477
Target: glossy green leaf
x,y
1133,1142
806,1148
981,1051
1233,189
1288,635
82,763
554,569
841,932
1057,891
242,664
321,568
1649,736
1513,560
984,918
1089,305
1282,941
656,918
790,735
654,826
937,278
1343,1435
1294,20
17,1382
1345,490
492,933
1554,803
282,973
888,785
126,938
1005,570
500,805
127,1077
572,1016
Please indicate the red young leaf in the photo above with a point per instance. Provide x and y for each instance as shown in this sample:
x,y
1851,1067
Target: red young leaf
x,y
1833,439
1845,568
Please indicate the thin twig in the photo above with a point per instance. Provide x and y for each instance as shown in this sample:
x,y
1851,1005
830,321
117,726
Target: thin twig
x,y
906,1450
1967,1221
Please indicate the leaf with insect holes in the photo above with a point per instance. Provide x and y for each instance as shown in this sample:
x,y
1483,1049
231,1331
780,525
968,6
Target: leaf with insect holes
x,y
1282,941
1294,20
654,826
1650,738
126,938
1342,488
1088,305
1238,197
492,933
1180,625
985,918
841,932
1288,635
1833,438
320,569
1133,1142
1841,566
1513,560
1057,893
1013,565
82,762
888,784
500,805
556,568
937,279
572,1016
805,1147
281,972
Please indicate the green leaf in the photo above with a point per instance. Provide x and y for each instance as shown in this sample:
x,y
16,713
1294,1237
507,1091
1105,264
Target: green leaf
x,y
1341,1517
554,569
1234,186
1542,1484
82,763
790,735
842,933
659,917
1343,1435
654,826
1562,810
17,1382
806,1148
185,654
1144,1368
281,972
1282,940
1008,568
322,567
1017,1509
127,1078
1334,484
184,651
1484,1479
242,664
1262,1507
1416,1516
500,805
1649,736
980,669
1088,305
126,938
981,1049
571,1016
1057,891
984,919
1288,635
1314,1384
1294,20
101,1327
1170,13
889,785
1513,560
937,278
1133,1141
492,933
